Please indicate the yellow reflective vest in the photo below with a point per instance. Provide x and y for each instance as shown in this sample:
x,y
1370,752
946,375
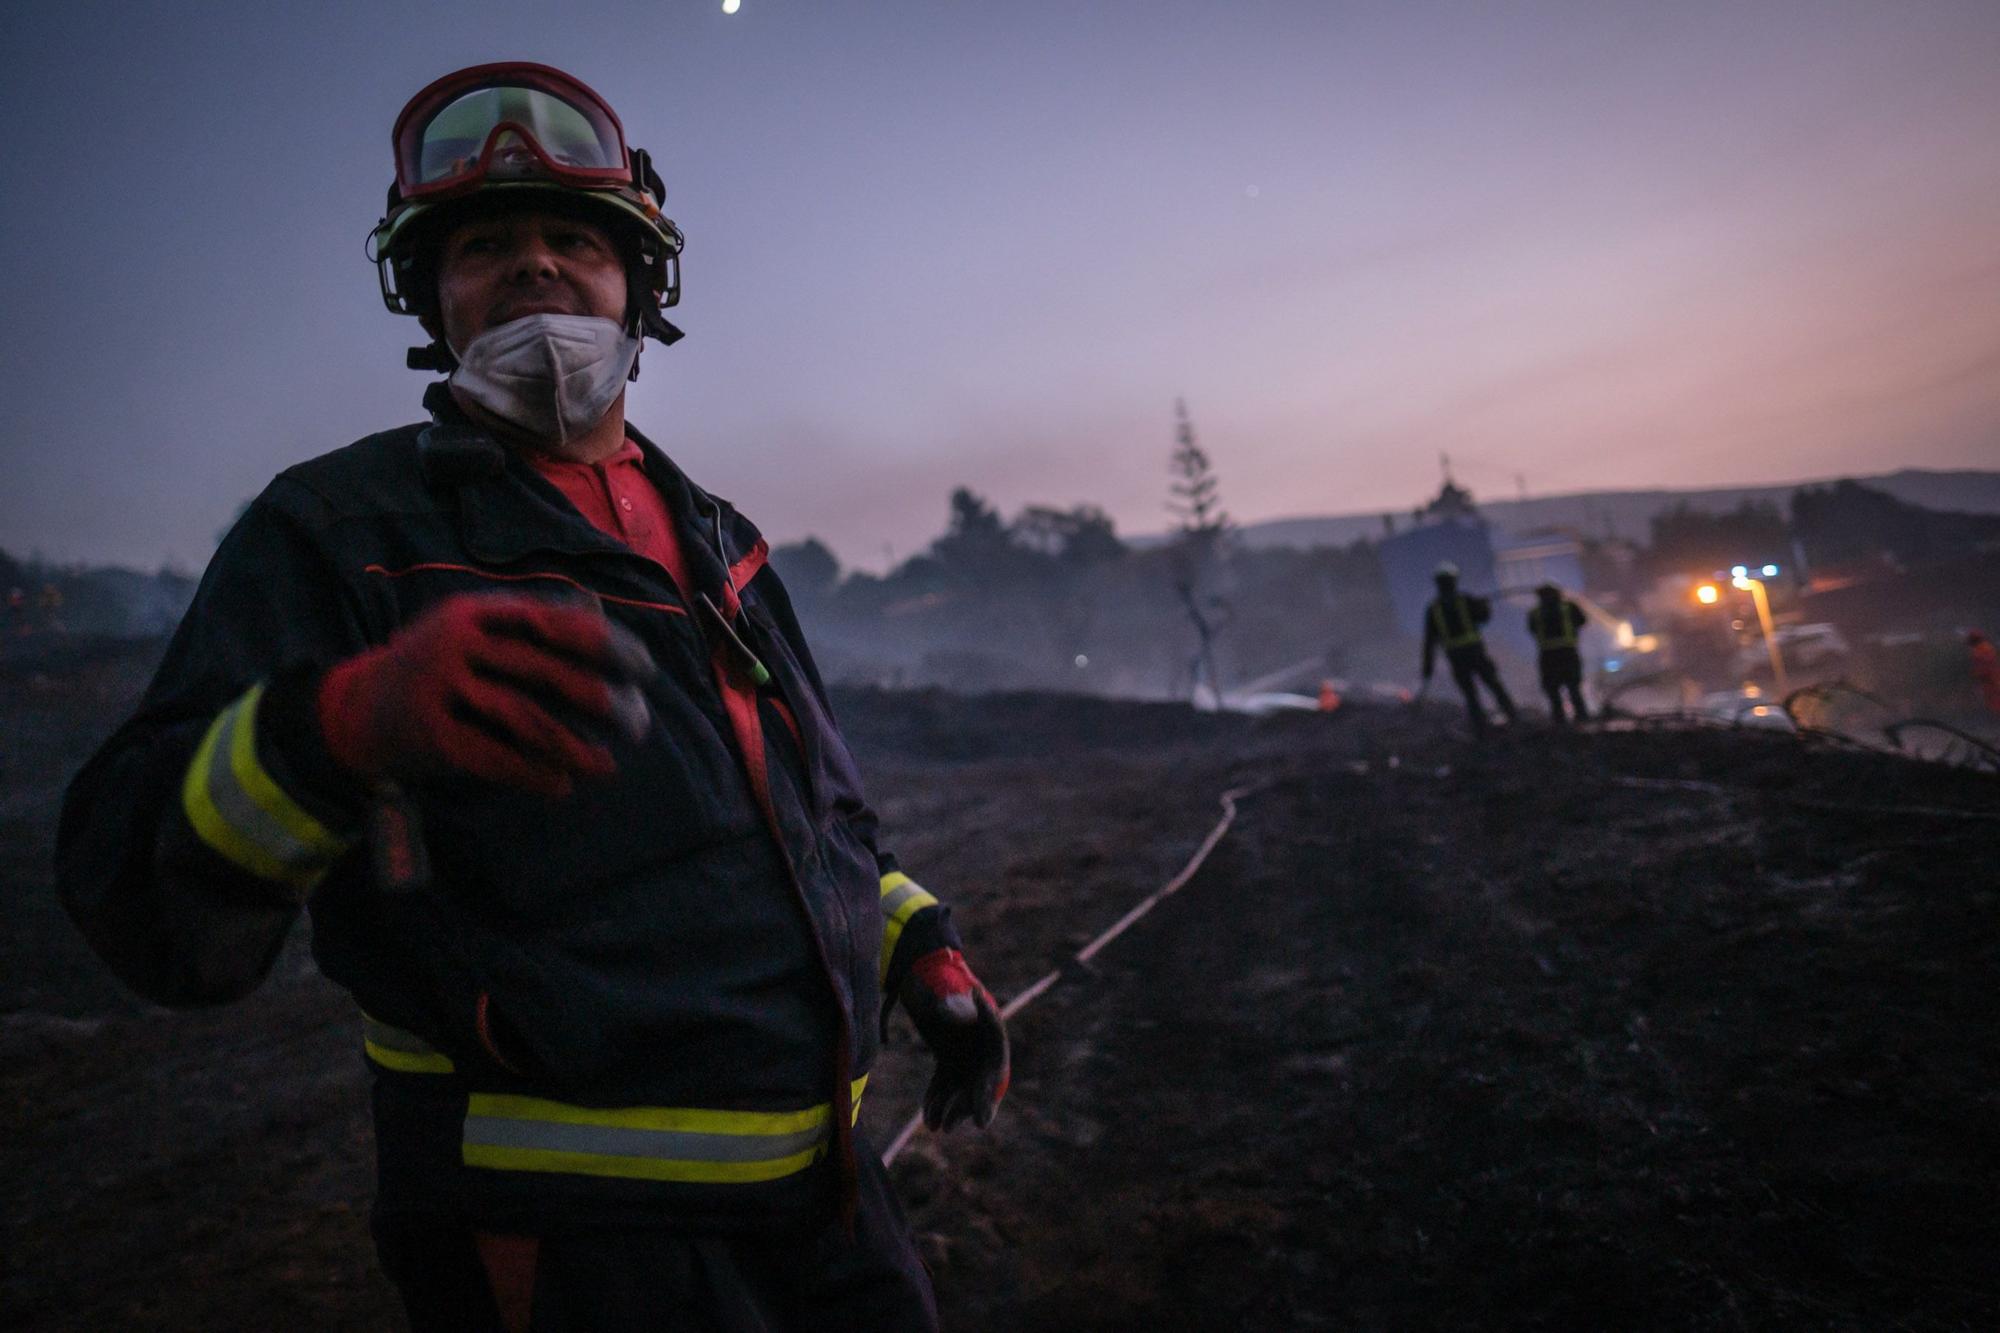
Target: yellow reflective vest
x,y
1467,632
1557,631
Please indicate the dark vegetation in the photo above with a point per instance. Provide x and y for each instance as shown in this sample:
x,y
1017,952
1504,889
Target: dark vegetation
x,y
1054,598
1684,538
37,597
1662,1029
1848,523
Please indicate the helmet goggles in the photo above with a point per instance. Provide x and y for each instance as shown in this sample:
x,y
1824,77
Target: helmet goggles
x,y
503,122
519,130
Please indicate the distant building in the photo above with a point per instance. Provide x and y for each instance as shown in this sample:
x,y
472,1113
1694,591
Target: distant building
x,y
1448,528
1526,563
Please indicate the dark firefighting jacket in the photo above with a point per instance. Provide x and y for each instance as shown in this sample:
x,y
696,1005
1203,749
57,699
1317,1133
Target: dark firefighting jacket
x,y
654,999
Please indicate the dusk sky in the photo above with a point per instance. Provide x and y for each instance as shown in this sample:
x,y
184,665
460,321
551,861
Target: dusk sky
x,y
933,243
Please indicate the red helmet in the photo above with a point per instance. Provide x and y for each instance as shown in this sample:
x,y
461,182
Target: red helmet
x,y
519,133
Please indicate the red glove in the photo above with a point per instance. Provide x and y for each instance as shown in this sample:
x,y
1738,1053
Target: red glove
x,y
509,689
958,1020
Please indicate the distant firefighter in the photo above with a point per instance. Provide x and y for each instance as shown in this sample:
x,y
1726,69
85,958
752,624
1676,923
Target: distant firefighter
x,y
1985,667
1452,623
1555,622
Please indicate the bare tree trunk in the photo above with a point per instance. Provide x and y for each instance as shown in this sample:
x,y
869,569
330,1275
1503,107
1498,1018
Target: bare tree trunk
x,y
1206,632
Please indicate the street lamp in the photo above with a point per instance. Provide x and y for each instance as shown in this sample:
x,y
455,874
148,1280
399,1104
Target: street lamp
x,y
1755,587
1740,577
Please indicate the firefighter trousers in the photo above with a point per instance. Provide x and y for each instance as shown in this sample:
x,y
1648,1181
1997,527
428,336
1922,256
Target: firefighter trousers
x,y
452,1278
1562,673
1469,667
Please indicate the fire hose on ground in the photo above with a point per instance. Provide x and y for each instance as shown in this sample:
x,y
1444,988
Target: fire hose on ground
x,y
1092,949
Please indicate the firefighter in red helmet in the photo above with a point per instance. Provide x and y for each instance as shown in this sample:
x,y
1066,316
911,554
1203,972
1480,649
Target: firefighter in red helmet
x,y
521,716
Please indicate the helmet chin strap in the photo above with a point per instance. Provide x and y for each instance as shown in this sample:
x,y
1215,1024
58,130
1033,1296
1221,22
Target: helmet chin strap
x,y
650,323
653,324
433,356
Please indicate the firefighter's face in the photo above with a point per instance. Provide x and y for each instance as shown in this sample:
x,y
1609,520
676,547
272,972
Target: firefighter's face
x,y
492,271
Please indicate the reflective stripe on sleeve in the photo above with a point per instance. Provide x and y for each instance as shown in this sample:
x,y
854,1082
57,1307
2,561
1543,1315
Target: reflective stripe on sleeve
x,y
243,815
902,898
504,1132
405,1052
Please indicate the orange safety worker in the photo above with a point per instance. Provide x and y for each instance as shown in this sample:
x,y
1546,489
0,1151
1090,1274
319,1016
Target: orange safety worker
x,y
1985,667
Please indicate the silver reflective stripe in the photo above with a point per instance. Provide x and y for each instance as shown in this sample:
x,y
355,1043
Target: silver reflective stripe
x,y
892,901
243,814
685,1144
249,819
902,898
612,1141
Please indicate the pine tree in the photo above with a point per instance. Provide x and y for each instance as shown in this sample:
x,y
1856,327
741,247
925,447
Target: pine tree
x,y
1195,491
1196,501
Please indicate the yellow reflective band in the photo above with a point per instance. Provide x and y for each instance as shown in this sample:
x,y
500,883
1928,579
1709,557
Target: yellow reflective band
x,y
659,1119
408,1062
269,796
902,898
210,826
241,814
684,1144
405,1052
690,1172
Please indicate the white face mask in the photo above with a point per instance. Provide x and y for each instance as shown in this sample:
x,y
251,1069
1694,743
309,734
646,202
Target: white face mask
x,y
554,376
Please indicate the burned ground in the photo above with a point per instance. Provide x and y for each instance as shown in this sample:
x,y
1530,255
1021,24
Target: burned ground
x,y
1644,1029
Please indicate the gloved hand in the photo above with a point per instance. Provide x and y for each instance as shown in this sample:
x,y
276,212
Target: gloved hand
x,y
958,1020
513,690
